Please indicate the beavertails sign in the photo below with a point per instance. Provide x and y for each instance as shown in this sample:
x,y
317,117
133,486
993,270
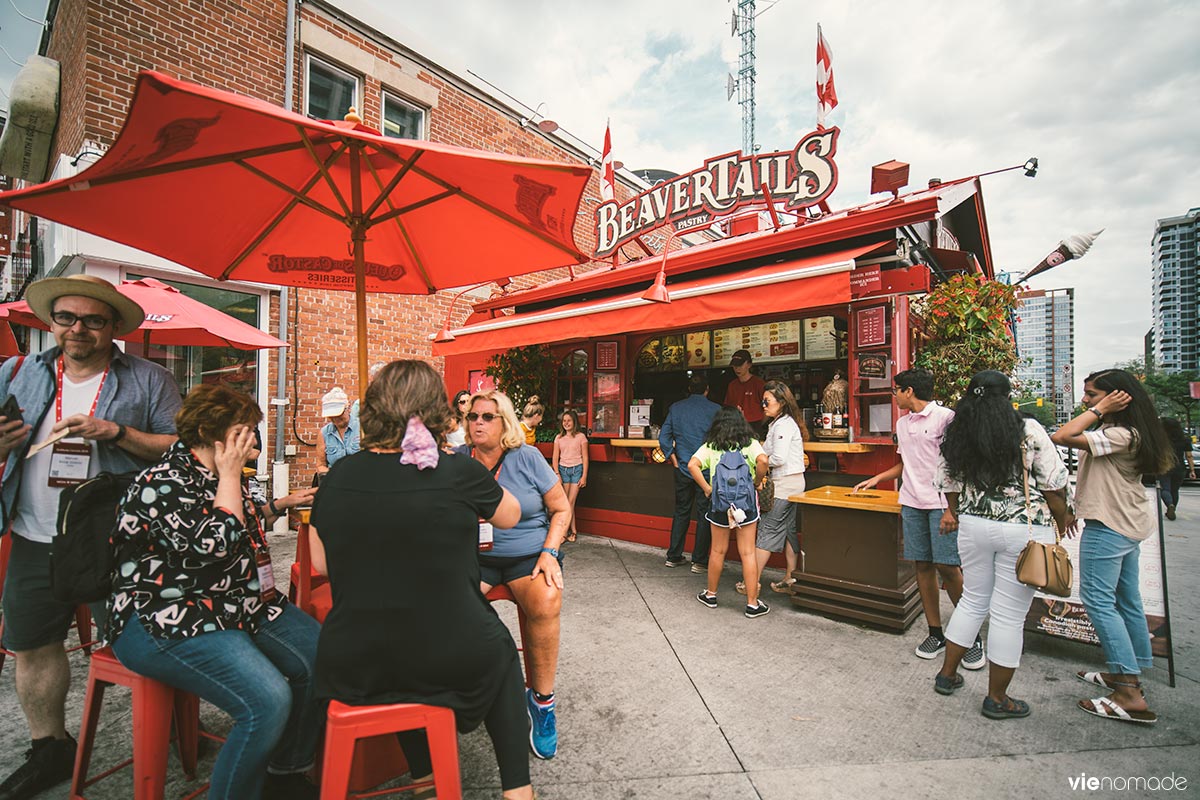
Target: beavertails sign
x,y
803,176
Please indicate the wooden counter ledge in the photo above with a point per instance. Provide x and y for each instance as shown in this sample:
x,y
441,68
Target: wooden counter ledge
x,y
845,497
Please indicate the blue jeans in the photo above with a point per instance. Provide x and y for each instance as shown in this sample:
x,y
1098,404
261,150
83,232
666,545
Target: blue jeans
x,y
687,495
265,682
1108,586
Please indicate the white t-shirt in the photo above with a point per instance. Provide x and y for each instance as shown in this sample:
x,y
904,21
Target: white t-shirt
x,y
37,502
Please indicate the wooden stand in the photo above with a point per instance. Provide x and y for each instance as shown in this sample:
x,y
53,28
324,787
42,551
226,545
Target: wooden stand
x,y
853,558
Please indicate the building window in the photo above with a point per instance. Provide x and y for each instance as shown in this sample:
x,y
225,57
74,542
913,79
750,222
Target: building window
x,y
330,91
402,120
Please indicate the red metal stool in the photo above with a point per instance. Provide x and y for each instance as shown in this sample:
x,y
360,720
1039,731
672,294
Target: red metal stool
x,y
153,705
83,617
501,592
312,596
345,725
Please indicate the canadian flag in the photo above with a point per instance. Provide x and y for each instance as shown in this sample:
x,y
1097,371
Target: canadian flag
x,y
826,94
608,177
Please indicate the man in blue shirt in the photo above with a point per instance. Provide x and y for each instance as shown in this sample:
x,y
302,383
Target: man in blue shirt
x,y
681,436
118,415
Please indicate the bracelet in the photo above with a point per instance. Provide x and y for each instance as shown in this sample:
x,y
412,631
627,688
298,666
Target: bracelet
x,y
551,550
273,508
120,434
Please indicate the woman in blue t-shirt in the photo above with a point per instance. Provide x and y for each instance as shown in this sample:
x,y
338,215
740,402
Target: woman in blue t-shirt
x,y
525,557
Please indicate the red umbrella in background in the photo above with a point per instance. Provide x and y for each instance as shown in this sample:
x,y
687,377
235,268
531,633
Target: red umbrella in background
x,y
8,342
172,318
237,188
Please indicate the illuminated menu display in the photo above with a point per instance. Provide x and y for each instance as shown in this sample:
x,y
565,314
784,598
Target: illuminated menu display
x,y
773,341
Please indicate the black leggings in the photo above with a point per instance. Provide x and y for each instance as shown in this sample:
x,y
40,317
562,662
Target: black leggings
x,y
507,724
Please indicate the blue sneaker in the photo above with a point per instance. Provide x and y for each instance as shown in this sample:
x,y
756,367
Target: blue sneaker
x,y
543,730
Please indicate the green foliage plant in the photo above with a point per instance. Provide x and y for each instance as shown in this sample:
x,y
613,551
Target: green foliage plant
x,y
523,372
967,324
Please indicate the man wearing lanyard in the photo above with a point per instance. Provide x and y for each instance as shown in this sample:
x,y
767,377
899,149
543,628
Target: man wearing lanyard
x,y
94,409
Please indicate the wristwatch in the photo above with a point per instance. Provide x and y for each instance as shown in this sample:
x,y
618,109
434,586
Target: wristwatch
x,y
1099,414
551,550
120,434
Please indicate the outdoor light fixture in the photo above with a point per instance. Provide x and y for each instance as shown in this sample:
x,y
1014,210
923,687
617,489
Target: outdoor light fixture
x,y
1031,168
444,335
890,176
657,293
544,125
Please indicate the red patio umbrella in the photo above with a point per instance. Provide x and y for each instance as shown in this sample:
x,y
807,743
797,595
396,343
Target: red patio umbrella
x,y
234,187
8,342
172,318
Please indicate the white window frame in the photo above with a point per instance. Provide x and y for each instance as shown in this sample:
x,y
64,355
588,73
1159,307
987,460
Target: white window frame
x,y
386,96
309,60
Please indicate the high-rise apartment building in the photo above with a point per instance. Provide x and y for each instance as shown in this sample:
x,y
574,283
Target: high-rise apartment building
x,y
1046,347
1176,250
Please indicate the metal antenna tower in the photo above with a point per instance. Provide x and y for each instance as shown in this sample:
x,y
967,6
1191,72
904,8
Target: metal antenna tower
x,y
742,25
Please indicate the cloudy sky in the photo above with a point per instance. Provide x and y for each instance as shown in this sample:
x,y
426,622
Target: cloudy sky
x,y
1103,93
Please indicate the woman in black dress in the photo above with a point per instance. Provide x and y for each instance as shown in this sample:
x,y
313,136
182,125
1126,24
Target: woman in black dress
x,y
396,528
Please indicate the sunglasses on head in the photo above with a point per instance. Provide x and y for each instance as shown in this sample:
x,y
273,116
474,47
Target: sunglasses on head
x,y
486,416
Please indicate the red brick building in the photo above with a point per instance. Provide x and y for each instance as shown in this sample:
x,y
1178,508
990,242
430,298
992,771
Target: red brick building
x,y
336,62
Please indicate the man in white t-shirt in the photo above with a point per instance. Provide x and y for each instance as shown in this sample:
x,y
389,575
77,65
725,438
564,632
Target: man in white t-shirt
x,y
934,554
98,410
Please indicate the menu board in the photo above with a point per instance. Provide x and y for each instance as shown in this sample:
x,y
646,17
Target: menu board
x,y
871,326
773,341
820,339
699,349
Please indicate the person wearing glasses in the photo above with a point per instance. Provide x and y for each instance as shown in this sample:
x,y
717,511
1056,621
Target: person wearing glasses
x,y
935,556
525,557
114,413
456,433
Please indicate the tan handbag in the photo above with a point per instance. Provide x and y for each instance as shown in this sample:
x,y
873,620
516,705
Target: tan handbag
x,y
1043,566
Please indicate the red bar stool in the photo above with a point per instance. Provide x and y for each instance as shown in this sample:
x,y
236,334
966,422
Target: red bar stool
x,y
501,592
154,703
83,617
313,597
345,725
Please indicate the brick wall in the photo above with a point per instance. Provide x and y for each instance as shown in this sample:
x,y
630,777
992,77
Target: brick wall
x,y
240,47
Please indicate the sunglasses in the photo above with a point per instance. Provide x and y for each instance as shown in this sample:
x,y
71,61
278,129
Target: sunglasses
x,y
765,402
486,416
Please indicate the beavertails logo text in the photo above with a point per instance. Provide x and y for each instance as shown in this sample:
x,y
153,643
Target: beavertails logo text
x,y
333,271
803,177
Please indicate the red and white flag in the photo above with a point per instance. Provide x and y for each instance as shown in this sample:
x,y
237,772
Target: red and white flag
x,y
608,178
826,94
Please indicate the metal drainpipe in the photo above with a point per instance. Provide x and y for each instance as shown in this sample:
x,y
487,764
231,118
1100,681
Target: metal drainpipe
x,y
279,474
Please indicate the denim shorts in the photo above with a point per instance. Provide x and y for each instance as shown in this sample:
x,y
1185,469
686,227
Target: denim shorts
x,y
923,541
570,474
33,618
495,570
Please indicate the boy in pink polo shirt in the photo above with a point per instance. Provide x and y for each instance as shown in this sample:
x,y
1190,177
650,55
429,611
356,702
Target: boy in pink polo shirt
x,y
935,555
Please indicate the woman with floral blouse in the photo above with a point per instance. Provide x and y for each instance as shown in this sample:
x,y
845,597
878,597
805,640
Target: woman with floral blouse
x,y
194,603
987,451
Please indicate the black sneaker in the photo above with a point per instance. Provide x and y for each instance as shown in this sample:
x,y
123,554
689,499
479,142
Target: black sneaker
x,y
48,763
760,610
932,647
709,600
289,786
974,658
675,562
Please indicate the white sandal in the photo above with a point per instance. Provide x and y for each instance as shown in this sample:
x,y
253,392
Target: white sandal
x,y
1094,678
1106,708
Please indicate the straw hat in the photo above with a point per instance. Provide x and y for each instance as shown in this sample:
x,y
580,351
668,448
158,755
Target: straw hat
x,y
42,294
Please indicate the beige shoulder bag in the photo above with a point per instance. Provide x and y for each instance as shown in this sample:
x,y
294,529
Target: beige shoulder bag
x,y
1043,566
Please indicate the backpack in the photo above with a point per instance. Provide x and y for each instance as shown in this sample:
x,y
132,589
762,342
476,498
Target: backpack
x,y
733,485
81,553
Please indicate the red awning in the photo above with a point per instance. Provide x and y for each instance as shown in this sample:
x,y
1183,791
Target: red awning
x,y
784,288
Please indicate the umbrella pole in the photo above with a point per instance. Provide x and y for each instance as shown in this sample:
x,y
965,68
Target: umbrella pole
x,y
359,235
146,344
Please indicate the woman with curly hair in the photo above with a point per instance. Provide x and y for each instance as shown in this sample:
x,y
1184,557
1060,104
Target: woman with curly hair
x,y
1004,483
730,433
1130,442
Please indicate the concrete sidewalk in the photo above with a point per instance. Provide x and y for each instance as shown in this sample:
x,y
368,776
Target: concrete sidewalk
x,y
661,697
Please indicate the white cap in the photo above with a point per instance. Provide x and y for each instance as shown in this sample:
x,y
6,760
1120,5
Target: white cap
x,y
334,403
